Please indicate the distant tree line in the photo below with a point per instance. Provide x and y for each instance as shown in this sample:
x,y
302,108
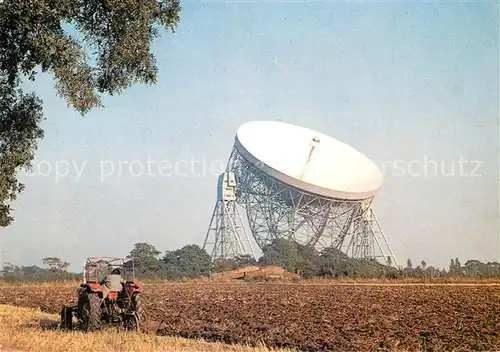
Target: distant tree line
x,y
53,269
192,261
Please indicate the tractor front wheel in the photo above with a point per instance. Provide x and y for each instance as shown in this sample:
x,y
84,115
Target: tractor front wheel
x,y
91,312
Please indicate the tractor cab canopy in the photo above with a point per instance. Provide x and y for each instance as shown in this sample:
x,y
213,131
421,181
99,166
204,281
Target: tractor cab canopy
x,y
96,268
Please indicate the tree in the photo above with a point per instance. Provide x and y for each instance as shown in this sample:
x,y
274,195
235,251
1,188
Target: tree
x,y
143,254
452,267
239,261
455,267
244,260
119,34
333,262
56,271
281,252
409,264
474,267
20,115
220,265
55,263
146,262
190,261
308,263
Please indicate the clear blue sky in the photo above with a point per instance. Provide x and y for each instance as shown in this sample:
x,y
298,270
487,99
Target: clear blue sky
x,y
401,82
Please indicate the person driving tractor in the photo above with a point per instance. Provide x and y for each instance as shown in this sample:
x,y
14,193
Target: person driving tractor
x,y
111,282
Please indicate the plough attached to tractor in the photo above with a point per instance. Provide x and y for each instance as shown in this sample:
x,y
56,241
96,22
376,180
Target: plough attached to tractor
x,y
92,311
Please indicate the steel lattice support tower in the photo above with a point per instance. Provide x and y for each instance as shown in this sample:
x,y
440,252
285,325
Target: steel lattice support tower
x,y
277,210
226,233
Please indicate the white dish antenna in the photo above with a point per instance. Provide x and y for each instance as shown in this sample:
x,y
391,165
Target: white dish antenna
x,y
308,160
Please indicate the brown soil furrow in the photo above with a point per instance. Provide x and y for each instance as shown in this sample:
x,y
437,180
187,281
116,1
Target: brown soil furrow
x,y
312,318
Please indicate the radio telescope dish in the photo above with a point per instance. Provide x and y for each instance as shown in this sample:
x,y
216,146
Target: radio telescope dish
x,y
306,186
308,160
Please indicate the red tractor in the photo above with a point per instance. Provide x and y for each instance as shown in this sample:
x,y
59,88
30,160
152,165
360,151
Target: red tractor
x,y
124,307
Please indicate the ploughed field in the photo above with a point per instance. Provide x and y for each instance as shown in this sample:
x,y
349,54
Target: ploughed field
x,y
311,317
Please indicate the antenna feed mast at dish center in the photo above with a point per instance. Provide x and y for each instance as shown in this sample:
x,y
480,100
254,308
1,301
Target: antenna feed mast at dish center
x,y
315,142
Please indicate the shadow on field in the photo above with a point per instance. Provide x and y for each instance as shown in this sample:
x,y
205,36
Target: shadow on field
x,y
49,324
44,324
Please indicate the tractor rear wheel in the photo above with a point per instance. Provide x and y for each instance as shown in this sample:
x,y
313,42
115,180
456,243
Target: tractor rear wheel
x,y
91,312
139,307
